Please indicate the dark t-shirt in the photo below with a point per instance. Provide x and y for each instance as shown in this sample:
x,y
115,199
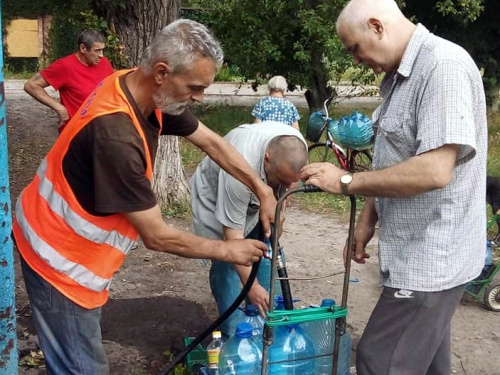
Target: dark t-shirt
x,y
106,162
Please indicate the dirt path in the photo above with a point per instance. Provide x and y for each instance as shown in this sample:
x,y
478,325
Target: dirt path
x,y
157,299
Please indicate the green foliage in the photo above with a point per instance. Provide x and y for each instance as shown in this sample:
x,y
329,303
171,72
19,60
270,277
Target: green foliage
x,y
12,9
494,144
72,17
229,73
472,24
461,10
20,67
296,39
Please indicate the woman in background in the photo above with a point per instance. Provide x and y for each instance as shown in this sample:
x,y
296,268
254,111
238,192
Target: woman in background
x,y
276,107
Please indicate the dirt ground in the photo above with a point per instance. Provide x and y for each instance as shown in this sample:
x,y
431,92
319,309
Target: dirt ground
x,y
157,299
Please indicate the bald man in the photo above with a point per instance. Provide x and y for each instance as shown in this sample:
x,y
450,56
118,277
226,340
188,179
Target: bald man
x,y
426,190
223,208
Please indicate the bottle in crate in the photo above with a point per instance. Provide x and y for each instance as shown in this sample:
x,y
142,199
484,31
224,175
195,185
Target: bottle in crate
x,y
213,353
291,348
322,334
293,351
241,355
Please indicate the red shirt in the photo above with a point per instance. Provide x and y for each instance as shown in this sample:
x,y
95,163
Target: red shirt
x,y
74,80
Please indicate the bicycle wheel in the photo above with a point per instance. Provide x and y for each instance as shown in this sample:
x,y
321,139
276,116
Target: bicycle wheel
x,y
360,161
322,152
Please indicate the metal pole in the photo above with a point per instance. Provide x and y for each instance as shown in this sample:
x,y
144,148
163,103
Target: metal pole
x,y
8,342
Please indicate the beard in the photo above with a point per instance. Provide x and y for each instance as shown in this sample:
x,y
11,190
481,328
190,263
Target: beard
x,y
166,104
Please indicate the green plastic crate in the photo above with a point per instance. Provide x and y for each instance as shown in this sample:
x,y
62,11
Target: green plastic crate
x,y
196,358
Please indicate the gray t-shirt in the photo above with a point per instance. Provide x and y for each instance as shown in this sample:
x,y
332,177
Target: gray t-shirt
x,y
436,240
217,198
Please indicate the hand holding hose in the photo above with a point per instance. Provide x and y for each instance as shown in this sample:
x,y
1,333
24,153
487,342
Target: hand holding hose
x,y
243,252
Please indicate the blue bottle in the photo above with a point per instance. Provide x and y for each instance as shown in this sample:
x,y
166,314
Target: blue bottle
x,y
322,334
240,355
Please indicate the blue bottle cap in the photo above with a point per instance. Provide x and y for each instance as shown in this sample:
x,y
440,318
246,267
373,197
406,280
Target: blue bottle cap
x,y
244,330
251,310
327,302
279,302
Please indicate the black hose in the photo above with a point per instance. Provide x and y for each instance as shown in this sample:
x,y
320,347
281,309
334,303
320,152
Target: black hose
x,y
282,272
212,327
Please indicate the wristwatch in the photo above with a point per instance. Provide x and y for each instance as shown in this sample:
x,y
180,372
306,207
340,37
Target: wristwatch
x,y
345,180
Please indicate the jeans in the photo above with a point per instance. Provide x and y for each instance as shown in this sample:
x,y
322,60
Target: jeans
x,y
226,286
69,335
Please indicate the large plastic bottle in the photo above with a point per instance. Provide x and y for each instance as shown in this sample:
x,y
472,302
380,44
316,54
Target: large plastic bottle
x,y
291,348
241,355
322,334
213,353
253,317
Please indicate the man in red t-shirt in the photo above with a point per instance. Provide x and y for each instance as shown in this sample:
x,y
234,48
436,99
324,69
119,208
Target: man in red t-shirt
x,y
75,76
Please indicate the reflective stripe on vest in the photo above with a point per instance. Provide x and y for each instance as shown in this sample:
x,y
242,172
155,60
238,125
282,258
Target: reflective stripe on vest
x,y
81,226
75,271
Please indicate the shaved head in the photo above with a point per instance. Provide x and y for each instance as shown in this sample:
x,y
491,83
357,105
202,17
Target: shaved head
x,y
288,150
357,12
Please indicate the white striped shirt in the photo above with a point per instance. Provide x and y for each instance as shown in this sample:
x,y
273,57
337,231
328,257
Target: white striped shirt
x,y
436,240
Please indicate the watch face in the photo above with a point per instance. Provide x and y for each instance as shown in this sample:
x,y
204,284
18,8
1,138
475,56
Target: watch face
x,y
346,179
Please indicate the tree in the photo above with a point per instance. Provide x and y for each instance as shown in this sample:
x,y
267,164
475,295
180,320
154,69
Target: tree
x,y
136,22
472,24
293,38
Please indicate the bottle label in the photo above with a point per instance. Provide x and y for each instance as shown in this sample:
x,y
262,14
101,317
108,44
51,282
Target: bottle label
x,y
213,358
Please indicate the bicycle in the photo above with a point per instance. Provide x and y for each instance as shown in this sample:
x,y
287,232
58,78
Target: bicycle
x,y
351,159
482,286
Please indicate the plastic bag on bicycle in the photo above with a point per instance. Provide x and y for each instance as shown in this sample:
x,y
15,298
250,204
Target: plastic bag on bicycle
x,y
315,126
355,131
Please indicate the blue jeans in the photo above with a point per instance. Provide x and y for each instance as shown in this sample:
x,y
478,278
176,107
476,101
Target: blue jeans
x,y
226,286
69,335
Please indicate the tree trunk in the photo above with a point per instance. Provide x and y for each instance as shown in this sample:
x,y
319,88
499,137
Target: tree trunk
x,y
136,23
318,86
169,180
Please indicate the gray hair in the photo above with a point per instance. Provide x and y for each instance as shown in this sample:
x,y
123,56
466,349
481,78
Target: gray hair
x,y
357,12
180,45
277,83
289,150
88,37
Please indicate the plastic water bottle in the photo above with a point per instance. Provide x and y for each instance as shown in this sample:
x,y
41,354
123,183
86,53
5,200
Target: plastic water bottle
x,y
322,334
213,352
255,320
240,355
291,347
293,350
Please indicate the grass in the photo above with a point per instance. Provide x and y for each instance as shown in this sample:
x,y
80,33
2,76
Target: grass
x,y
17,75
